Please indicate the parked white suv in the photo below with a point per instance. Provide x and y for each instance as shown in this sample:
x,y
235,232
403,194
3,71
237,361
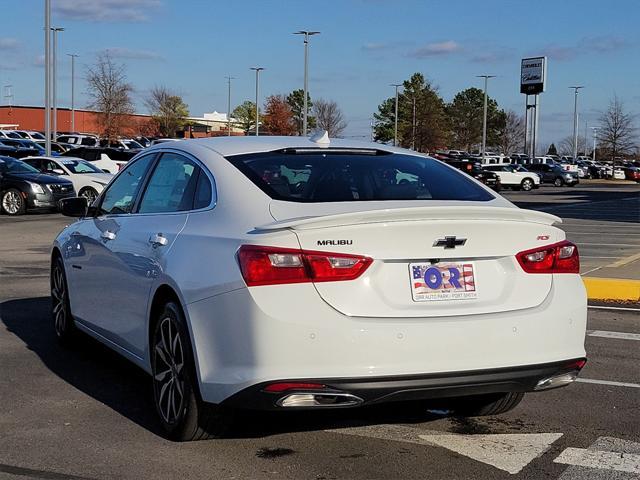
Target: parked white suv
x,y
86,140
514,178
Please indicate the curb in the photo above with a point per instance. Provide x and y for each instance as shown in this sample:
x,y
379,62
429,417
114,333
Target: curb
x,y
612,289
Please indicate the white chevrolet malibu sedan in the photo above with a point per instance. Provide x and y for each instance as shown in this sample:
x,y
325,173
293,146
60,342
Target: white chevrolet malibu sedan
x,y
306,273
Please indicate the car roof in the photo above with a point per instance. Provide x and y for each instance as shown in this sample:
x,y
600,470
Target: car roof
x,y
227,146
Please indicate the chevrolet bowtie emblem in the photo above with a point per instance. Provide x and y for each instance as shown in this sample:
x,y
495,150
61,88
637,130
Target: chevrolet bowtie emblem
x,y
449,242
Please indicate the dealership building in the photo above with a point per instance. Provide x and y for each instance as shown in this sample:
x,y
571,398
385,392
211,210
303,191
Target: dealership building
x,y
22,117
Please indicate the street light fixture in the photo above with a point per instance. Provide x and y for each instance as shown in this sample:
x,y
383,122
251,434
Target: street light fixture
x,y
395,126
257,70
229,106
306,34
73,91
54,67
575,120
484,116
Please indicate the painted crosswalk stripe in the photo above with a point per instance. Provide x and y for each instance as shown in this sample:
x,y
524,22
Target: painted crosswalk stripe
x,y
616,335
581,457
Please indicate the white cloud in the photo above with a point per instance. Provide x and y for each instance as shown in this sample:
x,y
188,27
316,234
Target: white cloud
x,y
436,49
131,54
38,61
6,42
106,10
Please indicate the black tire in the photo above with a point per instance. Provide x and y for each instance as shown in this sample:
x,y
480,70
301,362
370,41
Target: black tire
x,y
90,194
12,202
63,323
175,381
527,184
490,404
558,182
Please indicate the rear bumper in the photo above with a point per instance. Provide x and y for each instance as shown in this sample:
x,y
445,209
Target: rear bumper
x,y
410,387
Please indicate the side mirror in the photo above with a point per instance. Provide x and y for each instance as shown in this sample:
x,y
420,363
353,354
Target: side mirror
x,y
57,171
73,207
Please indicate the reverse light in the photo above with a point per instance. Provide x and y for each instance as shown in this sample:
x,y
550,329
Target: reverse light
x,y
262,265
560,257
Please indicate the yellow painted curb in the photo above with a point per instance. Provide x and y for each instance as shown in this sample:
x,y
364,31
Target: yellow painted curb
x,y
612,289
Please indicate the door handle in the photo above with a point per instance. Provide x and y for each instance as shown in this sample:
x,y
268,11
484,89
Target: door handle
x,y
107,235
158,240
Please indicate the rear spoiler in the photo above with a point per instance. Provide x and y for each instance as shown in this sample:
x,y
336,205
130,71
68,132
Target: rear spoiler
x,y
410,214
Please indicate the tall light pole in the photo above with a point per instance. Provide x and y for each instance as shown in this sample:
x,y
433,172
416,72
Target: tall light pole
x,y
575,120
395,121
73,91
484,116
229,106
47,75
595,133
54,66
306,34
258,70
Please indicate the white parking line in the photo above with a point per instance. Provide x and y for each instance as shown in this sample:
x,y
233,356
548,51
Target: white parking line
x,y
623,309
627,462
608,382
616,335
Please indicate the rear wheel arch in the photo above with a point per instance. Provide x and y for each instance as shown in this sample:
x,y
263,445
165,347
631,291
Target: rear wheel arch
x,y
164,294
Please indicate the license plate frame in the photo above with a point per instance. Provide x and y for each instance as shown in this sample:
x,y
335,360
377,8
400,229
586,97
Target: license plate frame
x,y
443,281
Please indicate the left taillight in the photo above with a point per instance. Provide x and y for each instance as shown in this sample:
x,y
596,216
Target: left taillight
x,y
560,257
261,265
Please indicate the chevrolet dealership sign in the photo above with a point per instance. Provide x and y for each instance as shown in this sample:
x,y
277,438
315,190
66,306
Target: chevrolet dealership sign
x,y
533,75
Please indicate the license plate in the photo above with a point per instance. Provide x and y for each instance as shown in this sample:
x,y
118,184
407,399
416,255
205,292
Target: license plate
x,y
442,281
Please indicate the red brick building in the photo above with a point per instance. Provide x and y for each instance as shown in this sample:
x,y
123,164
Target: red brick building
x,y
86,121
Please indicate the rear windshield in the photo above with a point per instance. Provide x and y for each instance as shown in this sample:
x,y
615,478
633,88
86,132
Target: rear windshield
x,y
314,176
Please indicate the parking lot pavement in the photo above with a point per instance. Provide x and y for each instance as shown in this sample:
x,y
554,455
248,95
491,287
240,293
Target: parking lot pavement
x,y
86,413
603,219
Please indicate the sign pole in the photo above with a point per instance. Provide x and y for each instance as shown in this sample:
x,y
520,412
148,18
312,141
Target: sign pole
x,y
526,123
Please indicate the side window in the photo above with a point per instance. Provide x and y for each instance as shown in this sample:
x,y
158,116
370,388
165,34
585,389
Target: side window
x,y
172,185
204,192
121,194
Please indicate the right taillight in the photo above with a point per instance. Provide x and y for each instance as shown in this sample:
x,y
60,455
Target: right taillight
x,y
560,257
262,265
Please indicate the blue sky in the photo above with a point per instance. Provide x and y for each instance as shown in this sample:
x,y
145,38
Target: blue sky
x,y
191,45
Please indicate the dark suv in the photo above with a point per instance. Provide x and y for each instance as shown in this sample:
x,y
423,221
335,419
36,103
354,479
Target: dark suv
x,y
23,187
554,174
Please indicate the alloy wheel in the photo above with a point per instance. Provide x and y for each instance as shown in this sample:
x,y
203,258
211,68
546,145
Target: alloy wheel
x,y
11,202
527,185
169,370
90,194
59,297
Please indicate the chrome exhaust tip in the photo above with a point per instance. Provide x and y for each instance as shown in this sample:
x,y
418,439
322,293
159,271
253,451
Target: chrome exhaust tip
x,y
557,380
319,400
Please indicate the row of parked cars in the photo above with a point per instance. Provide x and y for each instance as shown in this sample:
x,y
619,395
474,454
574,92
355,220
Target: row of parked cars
x,y
583,167
80,164
513,173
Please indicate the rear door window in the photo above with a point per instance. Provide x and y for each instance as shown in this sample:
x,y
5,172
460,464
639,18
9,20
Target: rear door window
x,y
172,185
323,175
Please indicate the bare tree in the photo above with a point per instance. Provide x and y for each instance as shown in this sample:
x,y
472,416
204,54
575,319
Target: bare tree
x,y
329,117
616,133
110,94
511,136
566,145
167,109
